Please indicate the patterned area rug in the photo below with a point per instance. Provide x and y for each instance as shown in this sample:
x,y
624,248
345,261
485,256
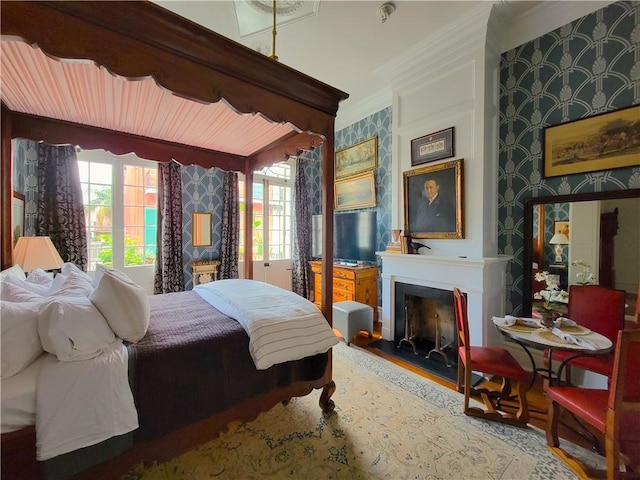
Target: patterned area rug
x,y
388,423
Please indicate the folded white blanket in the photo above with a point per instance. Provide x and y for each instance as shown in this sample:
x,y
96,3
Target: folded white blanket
x,y
282,326
509,320
568,338
82,403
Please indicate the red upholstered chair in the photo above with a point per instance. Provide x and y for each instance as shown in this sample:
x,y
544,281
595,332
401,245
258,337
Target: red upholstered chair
x,y
614,412
599,309
493,361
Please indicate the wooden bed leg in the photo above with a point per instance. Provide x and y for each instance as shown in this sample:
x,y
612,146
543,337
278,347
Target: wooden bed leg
x,y
326,404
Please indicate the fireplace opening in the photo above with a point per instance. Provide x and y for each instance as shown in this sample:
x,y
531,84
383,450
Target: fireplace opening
x,y
425,323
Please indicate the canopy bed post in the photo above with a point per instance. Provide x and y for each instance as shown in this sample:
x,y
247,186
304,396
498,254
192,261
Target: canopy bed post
x,y
327,227
6,191
248,222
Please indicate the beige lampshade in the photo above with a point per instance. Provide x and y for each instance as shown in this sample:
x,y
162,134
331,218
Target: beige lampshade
x,y
559,239
36,252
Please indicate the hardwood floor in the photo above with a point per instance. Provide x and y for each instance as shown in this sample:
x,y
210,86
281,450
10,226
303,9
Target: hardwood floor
x,y
569,428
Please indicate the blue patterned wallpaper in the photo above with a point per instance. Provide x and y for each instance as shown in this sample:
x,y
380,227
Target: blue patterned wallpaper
x,y
201,192
584,68
376,125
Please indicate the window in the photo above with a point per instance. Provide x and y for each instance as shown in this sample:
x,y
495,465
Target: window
x,y
120,205
272,226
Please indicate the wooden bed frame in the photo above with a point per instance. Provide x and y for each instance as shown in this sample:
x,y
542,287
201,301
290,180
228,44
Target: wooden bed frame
x,y
136,39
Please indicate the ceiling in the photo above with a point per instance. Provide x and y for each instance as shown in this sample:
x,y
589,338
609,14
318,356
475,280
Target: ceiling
x,y
346,41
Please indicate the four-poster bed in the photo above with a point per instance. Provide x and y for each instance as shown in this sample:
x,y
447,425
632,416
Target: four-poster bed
x,y
183,65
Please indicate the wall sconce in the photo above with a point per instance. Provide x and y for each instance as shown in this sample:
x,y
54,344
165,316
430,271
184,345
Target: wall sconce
x,y
36,252
559,240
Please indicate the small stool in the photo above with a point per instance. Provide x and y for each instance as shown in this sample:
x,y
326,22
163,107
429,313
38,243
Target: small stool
x,y
351,317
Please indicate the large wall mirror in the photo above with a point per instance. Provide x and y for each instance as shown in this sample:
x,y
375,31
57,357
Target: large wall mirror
x,y
201,229
602,229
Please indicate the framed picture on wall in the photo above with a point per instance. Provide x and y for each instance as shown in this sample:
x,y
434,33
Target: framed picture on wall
x,y
433,203
432,147
355,192
602,142
17,215
356,159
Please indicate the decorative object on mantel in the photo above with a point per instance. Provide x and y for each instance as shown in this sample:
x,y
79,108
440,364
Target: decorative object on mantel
x,y
432,147
204,271
601,142
357,158
548,309
394,245
433,203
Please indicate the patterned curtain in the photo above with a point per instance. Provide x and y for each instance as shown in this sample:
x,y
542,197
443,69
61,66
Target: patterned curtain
x,y
60,210
230,227
301,277
169,274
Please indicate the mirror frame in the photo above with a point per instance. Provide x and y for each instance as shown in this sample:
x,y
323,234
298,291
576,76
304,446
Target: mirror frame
x,y
527,268
197,218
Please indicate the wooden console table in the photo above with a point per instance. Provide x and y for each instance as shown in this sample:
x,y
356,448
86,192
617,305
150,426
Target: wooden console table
x,y
359,283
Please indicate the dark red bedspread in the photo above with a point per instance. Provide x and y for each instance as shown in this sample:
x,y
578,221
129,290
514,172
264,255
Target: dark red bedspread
x,y
194,362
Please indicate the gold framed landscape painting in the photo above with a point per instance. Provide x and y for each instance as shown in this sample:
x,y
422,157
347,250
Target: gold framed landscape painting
x,y
355,192
357,158
602,142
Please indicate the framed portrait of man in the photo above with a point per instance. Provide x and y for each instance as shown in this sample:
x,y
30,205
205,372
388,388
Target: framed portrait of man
x,y
433,203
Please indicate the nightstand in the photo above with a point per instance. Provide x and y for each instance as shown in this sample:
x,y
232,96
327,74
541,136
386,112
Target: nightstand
x,y
204,271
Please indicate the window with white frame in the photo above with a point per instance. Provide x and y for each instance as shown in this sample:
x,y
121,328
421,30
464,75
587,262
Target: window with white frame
x,y
272,220
120,204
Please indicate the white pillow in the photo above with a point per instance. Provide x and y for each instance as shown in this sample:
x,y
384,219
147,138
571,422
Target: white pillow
x,y
42,290
40,277
73,329
69,267
20,342
18,294
71,285
15,271
123,303
100,268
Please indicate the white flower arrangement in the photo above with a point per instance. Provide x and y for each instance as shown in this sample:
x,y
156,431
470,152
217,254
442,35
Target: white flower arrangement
x,y
552,293
585,276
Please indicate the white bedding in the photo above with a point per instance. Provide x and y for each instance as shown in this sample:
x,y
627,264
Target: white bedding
x,y
65,389
282,326
19,398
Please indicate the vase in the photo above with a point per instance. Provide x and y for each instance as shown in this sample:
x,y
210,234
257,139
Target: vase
x,y
548,319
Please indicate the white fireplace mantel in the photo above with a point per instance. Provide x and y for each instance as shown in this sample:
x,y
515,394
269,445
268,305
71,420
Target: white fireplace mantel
x,y
482,279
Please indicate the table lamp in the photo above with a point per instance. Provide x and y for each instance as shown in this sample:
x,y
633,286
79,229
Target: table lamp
x,y
559,239
36,252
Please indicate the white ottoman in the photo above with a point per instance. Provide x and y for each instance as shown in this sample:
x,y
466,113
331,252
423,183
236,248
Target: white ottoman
x,y
350,317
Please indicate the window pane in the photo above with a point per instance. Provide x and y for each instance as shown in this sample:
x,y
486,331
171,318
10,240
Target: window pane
x,y
279,222
140,198
130,210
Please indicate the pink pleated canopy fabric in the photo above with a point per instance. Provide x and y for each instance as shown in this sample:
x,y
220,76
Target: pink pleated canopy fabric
x,y
81,92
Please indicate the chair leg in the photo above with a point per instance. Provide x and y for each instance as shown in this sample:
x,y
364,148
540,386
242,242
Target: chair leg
x,y
523,411
459,381
553,416
553,444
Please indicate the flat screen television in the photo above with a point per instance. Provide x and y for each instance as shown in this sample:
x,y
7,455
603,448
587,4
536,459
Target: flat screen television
x,y
354,236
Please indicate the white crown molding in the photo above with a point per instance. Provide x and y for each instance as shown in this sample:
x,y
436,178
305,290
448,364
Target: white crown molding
x,y
351,114
440,49
546,17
